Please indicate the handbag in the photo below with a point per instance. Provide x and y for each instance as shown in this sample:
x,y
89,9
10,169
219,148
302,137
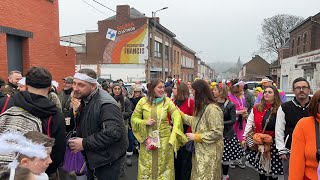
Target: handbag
x,y
153,141
74,161
190,144
250,143
249,138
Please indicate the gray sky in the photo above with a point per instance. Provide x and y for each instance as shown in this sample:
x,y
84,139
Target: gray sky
x,y
220,30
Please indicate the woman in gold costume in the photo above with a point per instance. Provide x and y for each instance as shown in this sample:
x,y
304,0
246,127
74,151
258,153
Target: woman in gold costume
x,y
158,142
207,128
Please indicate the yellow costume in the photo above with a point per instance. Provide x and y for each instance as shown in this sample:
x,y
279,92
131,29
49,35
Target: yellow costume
x,y
206,161
157,164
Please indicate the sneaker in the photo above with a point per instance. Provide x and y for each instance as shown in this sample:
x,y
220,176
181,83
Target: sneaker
x,y
232,165
225,177
241,165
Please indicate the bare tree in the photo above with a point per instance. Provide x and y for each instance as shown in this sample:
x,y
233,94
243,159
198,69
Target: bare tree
x,y
274,31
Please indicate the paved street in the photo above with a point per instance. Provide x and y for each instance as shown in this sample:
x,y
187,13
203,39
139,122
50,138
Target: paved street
x,y
235,174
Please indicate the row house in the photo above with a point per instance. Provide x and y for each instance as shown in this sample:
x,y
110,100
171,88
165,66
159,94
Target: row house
x,y
255,69
206,72
187,64
132,46
300,57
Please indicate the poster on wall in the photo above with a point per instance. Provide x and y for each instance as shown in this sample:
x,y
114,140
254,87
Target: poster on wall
x,y
127,45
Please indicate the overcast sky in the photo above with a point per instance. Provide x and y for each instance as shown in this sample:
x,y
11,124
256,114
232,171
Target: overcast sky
x,y
220,30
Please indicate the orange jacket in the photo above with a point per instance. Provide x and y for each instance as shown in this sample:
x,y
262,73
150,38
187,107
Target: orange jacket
x,y
303,160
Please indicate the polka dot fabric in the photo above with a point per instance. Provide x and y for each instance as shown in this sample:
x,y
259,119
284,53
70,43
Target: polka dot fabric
x,y
232,150
276,163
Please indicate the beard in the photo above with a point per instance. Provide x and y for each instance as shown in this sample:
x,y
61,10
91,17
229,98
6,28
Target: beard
x,y
302,96
80,95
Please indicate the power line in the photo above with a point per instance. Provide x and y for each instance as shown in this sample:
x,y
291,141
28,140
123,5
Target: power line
x,y
124,15
104,6
94,7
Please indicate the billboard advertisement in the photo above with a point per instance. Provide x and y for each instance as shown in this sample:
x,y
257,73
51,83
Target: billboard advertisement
x,y
127,44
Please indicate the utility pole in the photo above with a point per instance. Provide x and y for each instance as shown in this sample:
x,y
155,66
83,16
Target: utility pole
x,y
153,43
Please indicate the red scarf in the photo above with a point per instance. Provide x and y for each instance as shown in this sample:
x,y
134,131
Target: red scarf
x,y
258,117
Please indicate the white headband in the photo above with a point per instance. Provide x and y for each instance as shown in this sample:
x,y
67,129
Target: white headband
x,y
239,83
85,77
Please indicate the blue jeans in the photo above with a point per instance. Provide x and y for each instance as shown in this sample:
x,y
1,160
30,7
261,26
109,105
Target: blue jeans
x,y
131,140
285,164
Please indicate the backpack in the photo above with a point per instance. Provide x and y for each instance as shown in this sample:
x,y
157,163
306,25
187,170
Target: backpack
x,y
18,119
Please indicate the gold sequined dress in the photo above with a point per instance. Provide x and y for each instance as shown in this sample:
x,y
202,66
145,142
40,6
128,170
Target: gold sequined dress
x,y
157,164
206,161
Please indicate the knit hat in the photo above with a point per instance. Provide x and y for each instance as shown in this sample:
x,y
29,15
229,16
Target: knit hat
x,y
38,77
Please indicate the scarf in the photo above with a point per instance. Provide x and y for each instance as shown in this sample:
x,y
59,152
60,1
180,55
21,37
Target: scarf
x,y
158,100
179,102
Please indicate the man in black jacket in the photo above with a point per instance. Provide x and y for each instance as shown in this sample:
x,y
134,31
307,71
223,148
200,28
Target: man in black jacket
x,y
288,115
12,86
102,135
35,101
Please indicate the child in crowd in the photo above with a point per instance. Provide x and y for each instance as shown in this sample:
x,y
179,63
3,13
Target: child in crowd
x,y
37,165
32,150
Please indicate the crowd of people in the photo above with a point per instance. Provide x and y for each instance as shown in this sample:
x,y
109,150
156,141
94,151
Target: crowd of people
x,y
180,130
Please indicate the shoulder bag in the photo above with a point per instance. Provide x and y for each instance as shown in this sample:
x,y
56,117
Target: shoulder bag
x,y
249,138
190,144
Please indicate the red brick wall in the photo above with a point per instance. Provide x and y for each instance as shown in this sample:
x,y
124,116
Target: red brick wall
x,y
42,18
3,57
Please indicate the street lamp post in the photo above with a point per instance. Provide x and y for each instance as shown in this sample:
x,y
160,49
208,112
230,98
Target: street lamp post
x,y
154,42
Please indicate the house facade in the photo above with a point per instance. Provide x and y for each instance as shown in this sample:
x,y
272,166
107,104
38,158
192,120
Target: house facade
x,y
304,55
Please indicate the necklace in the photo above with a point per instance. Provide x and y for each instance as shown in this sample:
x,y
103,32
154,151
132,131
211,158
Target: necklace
x,y
239,102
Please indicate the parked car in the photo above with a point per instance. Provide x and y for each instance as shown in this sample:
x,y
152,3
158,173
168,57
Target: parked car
x,y
252,84
290,96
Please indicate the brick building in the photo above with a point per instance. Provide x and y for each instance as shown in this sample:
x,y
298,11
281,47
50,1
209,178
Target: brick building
x,y
29,36
301,56
255,69
176,63
131,46
187,64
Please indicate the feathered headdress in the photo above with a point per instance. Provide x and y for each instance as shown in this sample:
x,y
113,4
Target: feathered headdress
x,y
16,142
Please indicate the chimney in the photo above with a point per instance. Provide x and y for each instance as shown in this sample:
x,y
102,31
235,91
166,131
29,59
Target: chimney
x,y
123,12
157,19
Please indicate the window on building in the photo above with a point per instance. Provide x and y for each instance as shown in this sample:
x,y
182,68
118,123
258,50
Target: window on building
x,y
292,46
304,42
178,57
174,56
298,43
305,38
166,52
158,49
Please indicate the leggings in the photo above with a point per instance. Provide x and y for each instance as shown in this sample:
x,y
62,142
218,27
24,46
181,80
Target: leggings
x,y
225,169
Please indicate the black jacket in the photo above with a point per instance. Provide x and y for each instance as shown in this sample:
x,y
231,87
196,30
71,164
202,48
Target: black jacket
x,y
293,113
102,128
42,108
229,116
